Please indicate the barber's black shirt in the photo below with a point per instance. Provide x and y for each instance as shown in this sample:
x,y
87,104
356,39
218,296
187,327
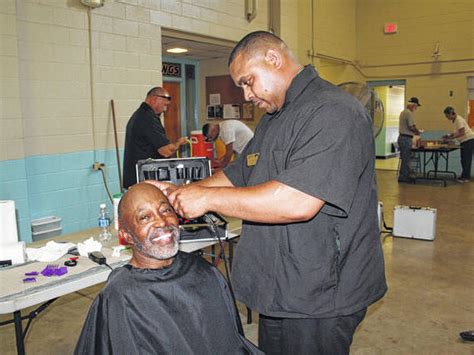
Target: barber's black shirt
x,y
144,136
320,143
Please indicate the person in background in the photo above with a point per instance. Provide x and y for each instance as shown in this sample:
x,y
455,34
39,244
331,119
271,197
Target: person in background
x,y
163,301
309,258
233,133
407,129
464,134
145,136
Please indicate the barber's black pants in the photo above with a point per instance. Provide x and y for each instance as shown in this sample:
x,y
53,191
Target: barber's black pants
x,y
467,148
332,336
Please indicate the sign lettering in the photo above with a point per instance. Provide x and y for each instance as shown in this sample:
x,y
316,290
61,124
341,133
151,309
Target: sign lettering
x,y
171,69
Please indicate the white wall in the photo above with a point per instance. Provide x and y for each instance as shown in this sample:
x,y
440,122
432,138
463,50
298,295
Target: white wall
x,y
408,54
60,68
11,127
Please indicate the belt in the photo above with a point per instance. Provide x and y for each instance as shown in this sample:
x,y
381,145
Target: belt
x,y
405,135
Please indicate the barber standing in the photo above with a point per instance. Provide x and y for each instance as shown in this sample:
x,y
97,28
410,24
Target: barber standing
x,y
309,259
145,136
407,129
463,133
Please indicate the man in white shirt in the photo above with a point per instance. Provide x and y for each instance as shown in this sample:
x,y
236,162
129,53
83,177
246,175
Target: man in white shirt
x,y
233,133
464,134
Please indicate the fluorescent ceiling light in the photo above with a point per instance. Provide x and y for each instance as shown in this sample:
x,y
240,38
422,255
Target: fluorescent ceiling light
x,y
177,50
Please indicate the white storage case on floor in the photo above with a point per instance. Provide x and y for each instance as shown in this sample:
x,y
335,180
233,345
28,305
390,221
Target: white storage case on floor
x,y
414,222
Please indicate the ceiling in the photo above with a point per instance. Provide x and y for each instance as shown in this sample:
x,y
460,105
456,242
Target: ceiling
x,y
196,50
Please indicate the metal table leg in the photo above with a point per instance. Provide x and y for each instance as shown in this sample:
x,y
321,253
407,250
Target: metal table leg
x,y
18,319
213,252
20,344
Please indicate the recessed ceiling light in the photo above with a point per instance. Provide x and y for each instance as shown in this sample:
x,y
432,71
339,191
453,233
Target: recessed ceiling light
x,y
177,50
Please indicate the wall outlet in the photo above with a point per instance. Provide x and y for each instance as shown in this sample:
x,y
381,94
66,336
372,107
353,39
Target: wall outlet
x,y
97,166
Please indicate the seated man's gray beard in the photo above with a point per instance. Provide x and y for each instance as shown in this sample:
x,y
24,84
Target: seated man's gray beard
x,y
148,248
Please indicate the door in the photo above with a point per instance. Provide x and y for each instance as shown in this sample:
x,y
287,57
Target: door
x,y
392,94
470,104
172,121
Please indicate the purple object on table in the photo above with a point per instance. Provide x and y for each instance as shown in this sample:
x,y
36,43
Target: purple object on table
x,y
48,271
32,273
60,271
29,279
54,270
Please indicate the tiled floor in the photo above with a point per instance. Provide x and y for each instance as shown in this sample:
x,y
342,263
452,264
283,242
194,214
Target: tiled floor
x,y
431,285
387,164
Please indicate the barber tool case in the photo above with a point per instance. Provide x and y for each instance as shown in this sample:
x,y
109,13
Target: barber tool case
x,y
177,171
414,222
181,171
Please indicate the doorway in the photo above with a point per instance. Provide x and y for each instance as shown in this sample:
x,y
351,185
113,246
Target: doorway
x,y
392,94
188,53
470,103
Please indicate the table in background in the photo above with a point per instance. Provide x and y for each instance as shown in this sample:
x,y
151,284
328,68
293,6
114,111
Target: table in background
x,y
435,152
16,295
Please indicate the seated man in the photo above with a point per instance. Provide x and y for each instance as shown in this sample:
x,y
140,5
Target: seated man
x,y
164,301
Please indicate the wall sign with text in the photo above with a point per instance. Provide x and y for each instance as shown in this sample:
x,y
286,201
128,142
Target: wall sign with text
x,y
171,69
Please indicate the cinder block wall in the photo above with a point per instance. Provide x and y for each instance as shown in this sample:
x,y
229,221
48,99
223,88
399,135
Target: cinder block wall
x,y
13,182
334,35
408,54
61,65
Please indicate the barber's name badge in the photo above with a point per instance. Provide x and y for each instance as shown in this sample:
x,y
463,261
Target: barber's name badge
x,y
252,159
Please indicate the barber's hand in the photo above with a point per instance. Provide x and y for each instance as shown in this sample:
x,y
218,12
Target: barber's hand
x,y
166,187
190,201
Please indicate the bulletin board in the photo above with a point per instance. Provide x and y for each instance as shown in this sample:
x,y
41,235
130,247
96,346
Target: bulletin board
x,y
230,94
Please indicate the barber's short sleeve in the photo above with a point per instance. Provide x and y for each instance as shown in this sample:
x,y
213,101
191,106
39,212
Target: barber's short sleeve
x,y
238,169
328,156
458,124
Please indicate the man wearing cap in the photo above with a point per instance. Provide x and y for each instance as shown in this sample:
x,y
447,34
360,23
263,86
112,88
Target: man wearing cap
x,y
407,129
145,136
233,133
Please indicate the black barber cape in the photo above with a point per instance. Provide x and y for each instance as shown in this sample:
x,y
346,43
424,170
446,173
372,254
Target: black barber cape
x,y
183,309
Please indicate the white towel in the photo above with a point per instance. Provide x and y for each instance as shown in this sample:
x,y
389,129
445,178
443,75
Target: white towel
x,y
88,246
52,251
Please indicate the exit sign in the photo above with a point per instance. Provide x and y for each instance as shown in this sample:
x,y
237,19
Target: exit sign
x,y
390,28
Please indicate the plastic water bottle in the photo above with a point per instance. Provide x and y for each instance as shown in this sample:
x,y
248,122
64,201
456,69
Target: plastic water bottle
x,y
104,223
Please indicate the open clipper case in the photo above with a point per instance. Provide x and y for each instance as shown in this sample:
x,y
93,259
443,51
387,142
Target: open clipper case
x,y
181,171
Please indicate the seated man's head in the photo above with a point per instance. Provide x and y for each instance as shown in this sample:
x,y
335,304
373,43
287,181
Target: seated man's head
x,y
149,224
210,131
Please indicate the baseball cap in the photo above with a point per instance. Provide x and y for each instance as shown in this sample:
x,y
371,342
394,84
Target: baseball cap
x,y
414,100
